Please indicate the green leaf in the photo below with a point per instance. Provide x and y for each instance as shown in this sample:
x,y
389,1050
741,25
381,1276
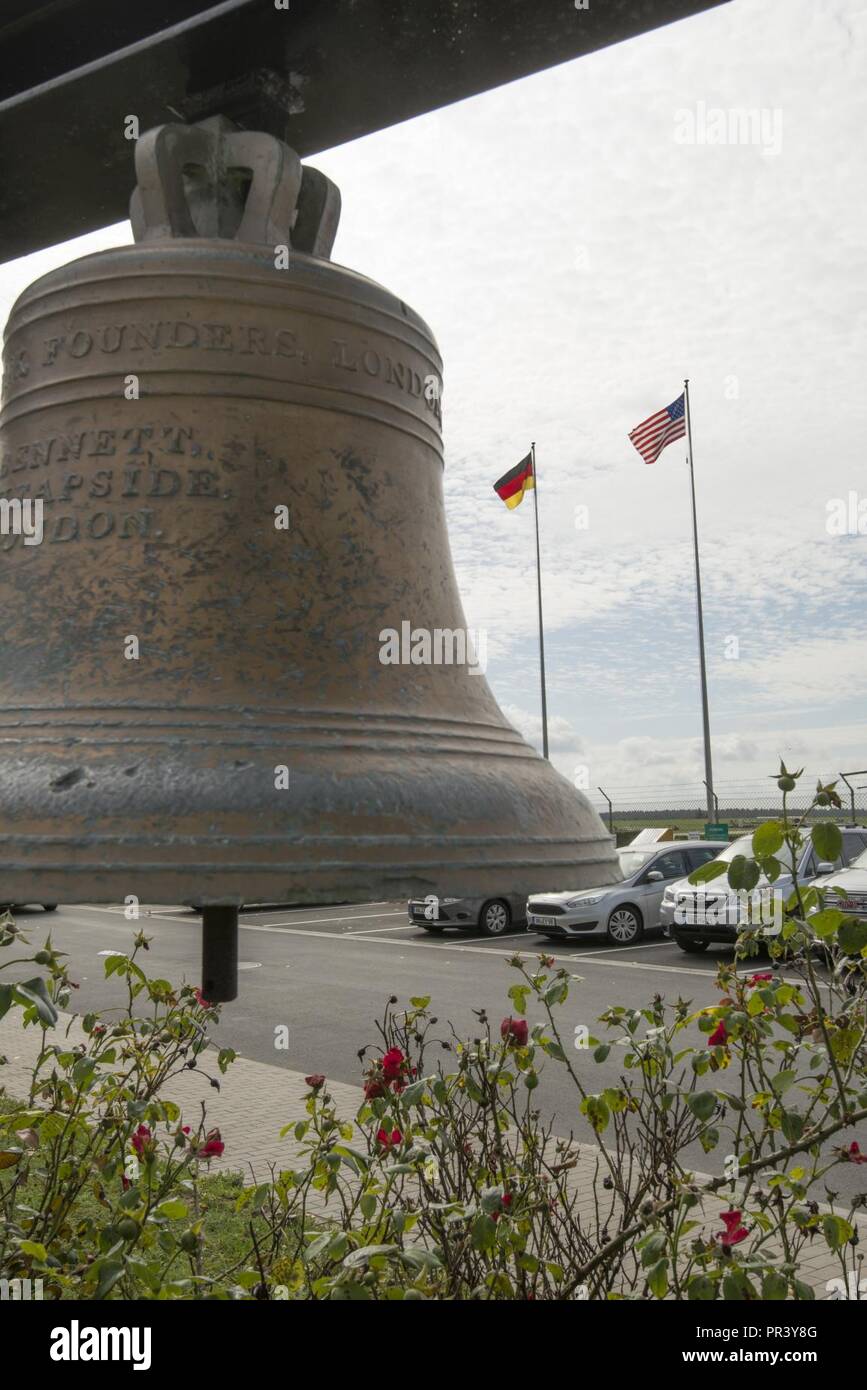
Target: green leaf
x,y
701,1289
775,1287
368,1252
368,1206
83,1071
34,992
597,1112
420,1001
767,839
744,873
657,1279
702,1104
836,1231
173,1210
6,994
782,1081
827,841
109,1273
35,1249
483,1232
518,995
709,1138
601,1052
736,1287
853,937
826,923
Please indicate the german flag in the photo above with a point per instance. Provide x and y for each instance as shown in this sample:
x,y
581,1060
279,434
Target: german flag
x,y
512,486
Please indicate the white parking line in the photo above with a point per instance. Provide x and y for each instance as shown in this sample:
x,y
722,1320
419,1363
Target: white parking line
x,y
314,921
366,931
194,917
610,950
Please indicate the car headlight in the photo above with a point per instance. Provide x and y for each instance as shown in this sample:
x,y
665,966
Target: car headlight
x,y
669,896
589,901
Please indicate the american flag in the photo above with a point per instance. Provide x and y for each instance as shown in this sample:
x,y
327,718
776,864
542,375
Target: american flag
x,y
652,435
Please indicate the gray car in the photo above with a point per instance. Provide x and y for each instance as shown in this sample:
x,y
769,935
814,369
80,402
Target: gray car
x,y
491,916
625,911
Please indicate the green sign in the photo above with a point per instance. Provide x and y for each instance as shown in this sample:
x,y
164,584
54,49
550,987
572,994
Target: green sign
x,y
715,830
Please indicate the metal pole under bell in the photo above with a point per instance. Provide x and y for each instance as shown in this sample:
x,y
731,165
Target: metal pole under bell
x,y
219,954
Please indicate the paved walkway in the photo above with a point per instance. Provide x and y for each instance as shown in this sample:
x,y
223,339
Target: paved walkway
x,y
256,1100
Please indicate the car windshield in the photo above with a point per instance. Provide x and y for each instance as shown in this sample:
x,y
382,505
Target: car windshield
x,y
742,846
631,860
860,862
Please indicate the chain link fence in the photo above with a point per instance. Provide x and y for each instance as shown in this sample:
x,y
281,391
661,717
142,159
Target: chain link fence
x,y
688,812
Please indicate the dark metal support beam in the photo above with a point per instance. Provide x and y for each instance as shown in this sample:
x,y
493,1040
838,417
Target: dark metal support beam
x,y
315,74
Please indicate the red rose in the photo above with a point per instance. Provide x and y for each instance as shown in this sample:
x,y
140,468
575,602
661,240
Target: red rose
x,y
140,1138
373,1088
734,1232
854,1153
212,1147
719,1037
505,1203
98,1029
389,1141
515,1031
201,1000
393,1064
760,979
315,1082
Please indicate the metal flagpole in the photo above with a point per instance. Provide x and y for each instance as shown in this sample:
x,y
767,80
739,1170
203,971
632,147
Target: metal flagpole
x,y
705,716
539,586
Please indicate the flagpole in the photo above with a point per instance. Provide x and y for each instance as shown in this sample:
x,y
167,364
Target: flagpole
x,y
539,587
705,716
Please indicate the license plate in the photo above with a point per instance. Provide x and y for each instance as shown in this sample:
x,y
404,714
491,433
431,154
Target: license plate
x,y
541,921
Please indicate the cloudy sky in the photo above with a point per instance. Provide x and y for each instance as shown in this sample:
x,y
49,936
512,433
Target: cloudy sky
x,y
578,246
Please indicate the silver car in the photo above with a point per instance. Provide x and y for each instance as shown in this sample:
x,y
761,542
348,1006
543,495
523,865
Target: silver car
x,y
631,907
491,916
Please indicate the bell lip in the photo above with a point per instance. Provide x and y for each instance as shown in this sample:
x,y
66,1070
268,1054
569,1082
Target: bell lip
x,y
227,252
281,883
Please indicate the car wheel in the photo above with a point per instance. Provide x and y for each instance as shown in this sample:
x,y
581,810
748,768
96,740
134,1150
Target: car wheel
x,y
495,918
49,907
692,945
625,926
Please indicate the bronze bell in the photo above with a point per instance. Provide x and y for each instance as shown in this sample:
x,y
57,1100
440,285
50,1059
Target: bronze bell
x,y
237,448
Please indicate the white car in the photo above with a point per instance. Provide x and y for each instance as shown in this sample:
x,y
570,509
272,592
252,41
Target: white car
x,y
694,914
